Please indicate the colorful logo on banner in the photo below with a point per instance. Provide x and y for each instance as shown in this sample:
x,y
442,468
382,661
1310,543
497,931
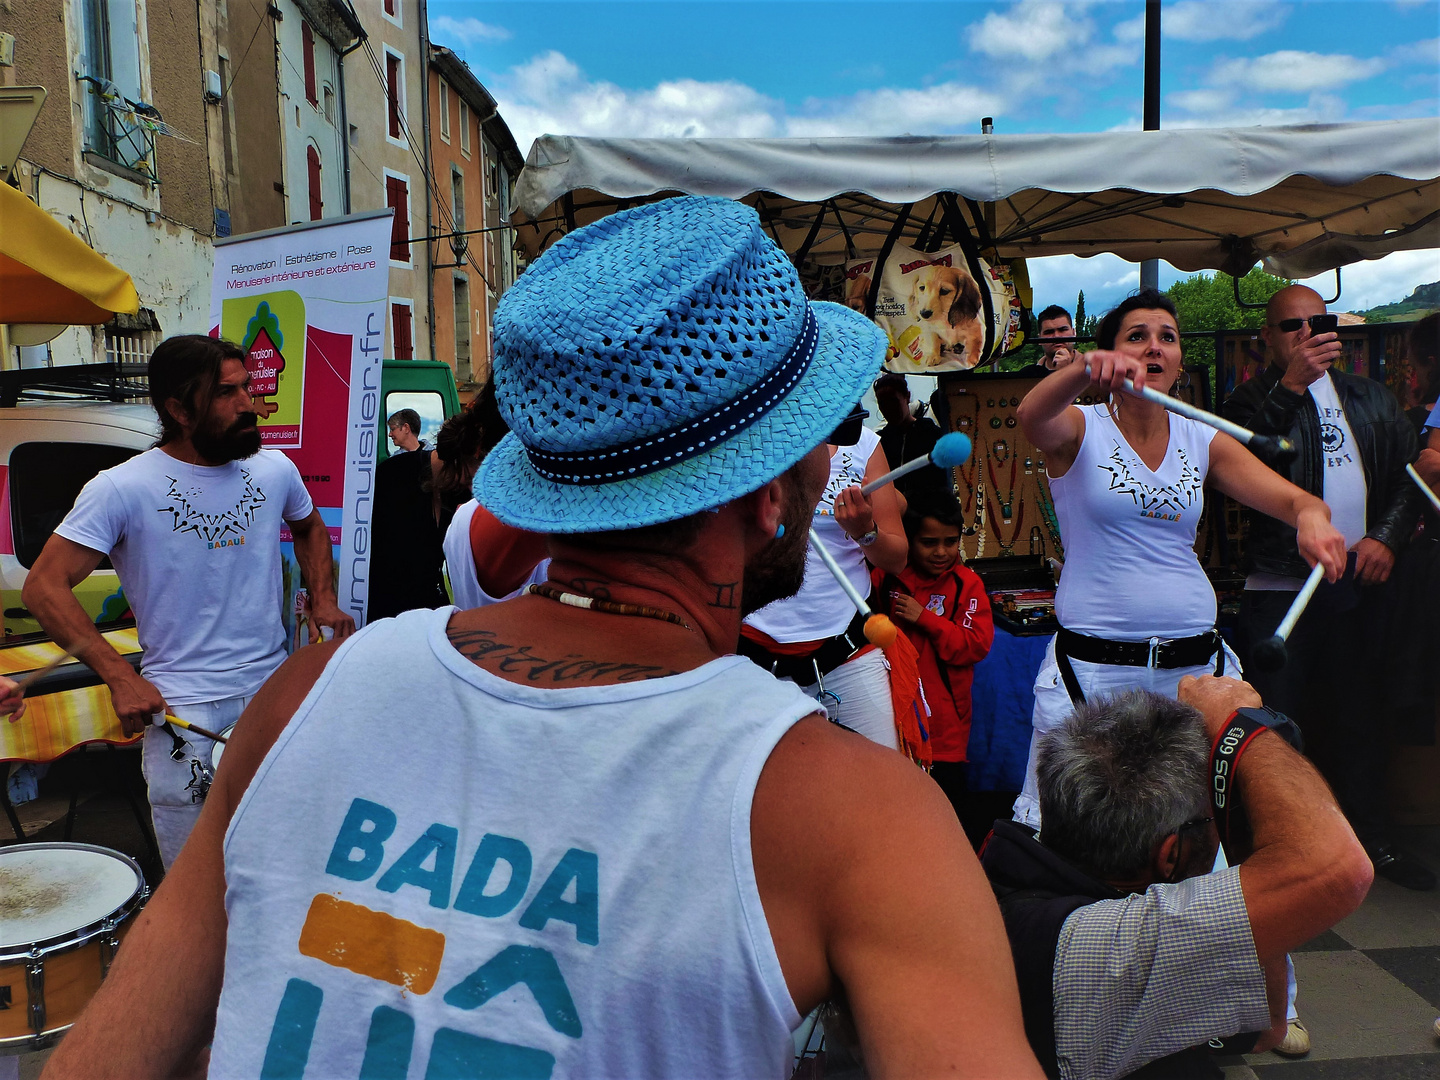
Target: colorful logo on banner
x,y
270,327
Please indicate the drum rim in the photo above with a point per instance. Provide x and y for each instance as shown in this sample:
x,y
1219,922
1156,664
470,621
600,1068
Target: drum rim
x,y
81,935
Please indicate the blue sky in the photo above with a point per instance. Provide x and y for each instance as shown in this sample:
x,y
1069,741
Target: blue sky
x,y
834,67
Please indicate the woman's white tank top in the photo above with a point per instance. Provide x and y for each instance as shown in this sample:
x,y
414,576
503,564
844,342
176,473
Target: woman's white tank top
x,y
440,873
821,609
1131,572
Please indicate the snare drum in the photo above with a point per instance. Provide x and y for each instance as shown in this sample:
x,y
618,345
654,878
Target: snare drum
x,y
63,909
218,750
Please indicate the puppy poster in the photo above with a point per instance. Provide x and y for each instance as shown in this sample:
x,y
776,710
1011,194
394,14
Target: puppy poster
x,y
931,307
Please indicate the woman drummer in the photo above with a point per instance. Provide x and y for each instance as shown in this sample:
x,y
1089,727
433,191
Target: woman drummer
x,y
1134,605
813,637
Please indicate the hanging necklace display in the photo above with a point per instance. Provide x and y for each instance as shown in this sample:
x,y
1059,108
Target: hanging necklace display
x,y
1010,512
979,510
1047,511
968,424
1037,541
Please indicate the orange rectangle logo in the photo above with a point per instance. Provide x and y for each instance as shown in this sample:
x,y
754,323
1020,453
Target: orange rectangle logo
x,y
372,943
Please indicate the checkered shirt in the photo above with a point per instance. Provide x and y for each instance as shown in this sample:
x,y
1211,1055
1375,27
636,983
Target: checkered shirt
x,y
1142,977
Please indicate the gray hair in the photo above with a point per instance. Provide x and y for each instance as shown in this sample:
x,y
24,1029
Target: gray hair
x,y
1117,777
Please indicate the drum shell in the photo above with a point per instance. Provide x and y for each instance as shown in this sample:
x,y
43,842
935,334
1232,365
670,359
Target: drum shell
x,y
72,967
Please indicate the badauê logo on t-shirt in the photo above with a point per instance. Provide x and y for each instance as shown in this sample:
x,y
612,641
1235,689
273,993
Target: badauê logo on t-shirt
x,y
360,944
1163,502
225,529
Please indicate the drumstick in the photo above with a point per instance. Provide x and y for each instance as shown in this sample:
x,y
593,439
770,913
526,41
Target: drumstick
x,y
171,718
40,672
1270,654
950,450
1274,448
879,630
1426,488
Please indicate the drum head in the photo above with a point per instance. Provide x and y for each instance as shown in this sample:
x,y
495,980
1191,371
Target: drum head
x,y
218,750
52,890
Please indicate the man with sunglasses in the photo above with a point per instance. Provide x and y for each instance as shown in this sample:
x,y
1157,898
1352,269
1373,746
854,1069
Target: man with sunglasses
x,y
1354,442
1131,955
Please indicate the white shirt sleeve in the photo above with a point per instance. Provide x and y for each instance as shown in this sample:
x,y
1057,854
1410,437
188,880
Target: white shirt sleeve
x,y
97,520
1143,977
298,503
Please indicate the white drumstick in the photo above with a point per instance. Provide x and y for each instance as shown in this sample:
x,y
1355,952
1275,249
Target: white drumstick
x,y
1426,488
879,630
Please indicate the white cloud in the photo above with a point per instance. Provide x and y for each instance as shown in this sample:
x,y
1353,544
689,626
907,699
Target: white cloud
x,y
1207,20
1417,52
888,111
550,93
1030,30
1202,101
467,31
1294,72
1381,281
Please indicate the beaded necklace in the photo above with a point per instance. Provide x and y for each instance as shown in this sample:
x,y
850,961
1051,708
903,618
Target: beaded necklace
x,y
608,607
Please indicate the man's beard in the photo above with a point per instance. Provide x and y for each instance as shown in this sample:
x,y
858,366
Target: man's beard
x,y
780,571
240,440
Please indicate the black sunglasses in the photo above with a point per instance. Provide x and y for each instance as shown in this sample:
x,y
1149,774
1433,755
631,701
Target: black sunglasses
x,y
848,433
1319,324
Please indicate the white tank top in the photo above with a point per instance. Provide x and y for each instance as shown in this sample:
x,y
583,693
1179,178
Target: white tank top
x,y
436,872
821,609
1130,567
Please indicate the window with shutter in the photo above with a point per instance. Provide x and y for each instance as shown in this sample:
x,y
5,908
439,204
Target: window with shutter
x,y
400,332
392,92
312,163
307,47
397,196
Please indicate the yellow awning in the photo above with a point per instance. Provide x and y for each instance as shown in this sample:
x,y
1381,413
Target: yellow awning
x,y
49,275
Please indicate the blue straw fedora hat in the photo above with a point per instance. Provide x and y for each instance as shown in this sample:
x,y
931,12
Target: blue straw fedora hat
x,y
659,362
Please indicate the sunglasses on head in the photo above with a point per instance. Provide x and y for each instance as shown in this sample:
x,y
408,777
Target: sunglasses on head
x,y
848,433
1319,324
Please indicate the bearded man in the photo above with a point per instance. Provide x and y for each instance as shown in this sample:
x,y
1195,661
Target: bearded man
x,y
192,526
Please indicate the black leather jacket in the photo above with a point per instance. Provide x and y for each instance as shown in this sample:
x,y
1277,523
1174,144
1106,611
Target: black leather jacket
x,y
1387,444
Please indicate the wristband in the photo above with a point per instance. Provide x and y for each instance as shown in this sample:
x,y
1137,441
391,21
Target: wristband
x,y
1234,738
866,539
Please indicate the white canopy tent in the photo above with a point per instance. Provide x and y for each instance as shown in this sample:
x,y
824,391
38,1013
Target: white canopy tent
x,y
1302,200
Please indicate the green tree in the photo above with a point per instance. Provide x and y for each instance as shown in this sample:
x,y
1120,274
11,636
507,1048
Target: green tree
x,y
1080,314
1207,302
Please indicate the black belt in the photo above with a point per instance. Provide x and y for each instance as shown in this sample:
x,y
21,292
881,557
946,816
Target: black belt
x,y
808,669
1155,653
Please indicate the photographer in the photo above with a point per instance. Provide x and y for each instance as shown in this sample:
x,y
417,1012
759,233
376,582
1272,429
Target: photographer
x,y
1131,956
1354,443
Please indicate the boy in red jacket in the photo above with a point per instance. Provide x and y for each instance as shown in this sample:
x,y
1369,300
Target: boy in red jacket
x,y
941,606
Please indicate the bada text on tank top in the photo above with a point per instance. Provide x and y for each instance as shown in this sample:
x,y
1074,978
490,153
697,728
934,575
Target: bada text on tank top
x,y
530,882
1130,567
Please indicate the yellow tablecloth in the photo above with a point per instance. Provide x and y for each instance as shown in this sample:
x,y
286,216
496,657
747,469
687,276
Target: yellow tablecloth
x,y
55,724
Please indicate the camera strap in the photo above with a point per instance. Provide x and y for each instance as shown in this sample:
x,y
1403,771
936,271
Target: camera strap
x,y
1237,734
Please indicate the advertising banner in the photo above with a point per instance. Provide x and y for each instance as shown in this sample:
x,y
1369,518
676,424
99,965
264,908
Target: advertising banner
x,y
931,307
307,303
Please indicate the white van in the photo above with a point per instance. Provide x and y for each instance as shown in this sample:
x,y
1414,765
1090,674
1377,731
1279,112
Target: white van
x,y
48,452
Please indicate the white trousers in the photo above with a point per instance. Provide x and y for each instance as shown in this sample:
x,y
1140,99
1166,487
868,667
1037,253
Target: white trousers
x,y
1053,705
177,789
857,696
